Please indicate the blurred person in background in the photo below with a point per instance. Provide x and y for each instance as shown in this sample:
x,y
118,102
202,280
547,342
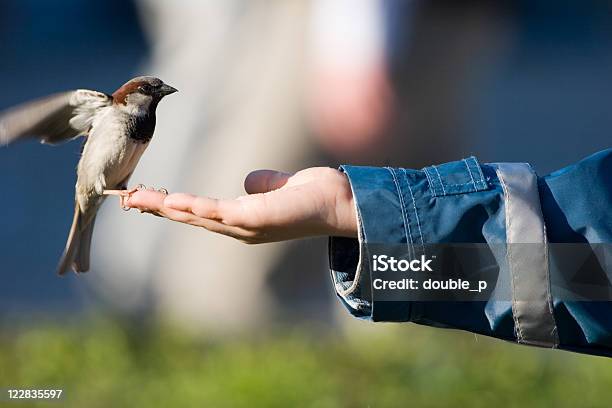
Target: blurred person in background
x,y
350,99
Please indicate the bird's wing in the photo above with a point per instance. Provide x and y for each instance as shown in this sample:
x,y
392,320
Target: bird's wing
x,y
53,119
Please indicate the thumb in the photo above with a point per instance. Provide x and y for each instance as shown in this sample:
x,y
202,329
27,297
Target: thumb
x,y
262,181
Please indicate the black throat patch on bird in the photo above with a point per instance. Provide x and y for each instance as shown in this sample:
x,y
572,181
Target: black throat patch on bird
x,y
141,127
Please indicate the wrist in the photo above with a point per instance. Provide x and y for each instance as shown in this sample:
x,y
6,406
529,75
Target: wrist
x,y
345,223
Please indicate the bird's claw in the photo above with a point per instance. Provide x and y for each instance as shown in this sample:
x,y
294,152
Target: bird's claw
x,y
126,194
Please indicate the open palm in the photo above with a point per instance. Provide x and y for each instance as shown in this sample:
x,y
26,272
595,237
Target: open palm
x,y
277,207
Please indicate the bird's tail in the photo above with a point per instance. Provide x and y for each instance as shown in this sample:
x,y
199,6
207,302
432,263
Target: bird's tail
x,y
76,253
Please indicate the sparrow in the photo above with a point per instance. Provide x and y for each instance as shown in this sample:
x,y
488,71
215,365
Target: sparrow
x,y
117,130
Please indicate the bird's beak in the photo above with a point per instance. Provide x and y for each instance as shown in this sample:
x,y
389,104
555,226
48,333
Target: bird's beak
x,y
167,90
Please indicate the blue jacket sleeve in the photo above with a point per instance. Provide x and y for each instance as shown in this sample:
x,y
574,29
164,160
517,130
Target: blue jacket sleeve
x,y
469,202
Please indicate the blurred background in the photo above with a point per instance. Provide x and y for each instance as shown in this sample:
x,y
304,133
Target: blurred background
x,y
171,314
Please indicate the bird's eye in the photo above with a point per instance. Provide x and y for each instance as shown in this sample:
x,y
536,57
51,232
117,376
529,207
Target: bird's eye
x,y
145,89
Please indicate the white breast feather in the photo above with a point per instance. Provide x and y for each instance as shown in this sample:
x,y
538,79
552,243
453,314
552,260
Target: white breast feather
x,y
109,156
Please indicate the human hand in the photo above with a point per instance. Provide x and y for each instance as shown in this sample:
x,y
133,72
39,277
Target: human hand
x,y
278,207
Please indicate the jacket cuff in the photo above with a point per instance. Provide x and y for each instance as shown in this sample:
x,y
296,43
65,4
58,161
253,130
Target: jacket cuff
x,y
382,218
396,206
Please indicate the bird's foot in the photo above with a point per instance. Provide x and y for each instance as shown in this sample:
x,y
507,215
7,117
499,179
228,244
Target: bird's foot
x,y
125,194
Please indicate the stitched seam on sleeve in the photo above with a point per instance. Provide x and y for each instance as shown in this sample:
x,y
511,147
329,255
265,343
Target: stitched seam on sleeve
x,y
440,178
482,178
470,172
461,184
430,179
416,213
407,231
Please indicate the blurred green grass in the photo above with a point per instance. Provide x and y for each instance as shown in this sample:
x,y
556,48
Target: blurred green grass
x,y
110,364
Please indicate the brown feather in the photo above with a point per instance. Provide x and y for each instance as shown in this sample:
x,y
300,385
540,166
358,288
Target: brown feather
x,y
121,94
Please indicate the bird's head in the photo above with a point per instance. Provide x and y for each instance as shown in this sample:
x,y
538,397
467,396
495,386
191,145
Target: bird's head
x,y
142,93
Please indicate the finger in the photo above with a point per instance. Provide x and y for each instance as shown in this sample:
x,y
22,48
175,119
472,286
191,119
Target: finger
x,y
226,211
180,201
255,211
211,225
229,230
153,202
262,181
146,200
